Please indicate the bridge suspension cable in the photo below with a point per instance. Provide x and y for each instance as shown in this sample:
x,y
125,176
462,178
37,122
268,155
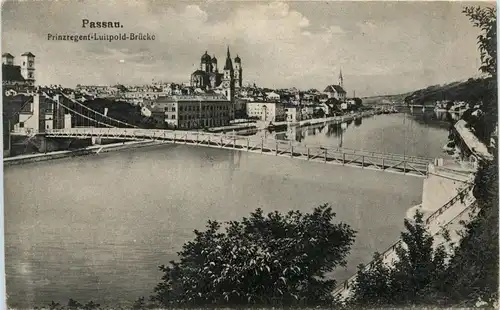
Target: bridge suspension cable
x,y
85,117
22,107
96,112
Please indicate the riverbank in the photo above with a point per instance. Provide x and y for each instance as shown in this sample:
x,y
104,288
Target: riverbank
x,y
334,119
303,123
447,201
94,149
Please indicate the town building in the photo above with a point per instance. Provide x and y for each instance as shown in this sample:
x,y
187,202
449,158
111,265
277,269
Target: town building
x,y
336,91
273,96
293,114
190,111
18,78
307,111
327,108
38,113
208,76
266,111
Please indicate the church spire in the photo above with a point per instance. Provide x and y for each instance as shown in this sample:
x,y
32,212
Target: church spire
x,y
229,63
341,79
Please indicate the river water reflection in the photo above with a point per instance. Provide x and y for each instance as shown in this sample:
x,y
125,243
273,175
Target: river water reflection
x,y
417,134
97,227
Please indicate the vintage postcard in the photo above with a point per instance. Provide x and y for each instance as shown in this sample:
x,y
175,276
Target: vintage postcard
x,y
249,154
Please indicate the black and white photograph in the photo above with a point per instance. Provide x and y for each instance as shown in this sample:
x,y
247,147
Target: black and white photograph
x,y
249,154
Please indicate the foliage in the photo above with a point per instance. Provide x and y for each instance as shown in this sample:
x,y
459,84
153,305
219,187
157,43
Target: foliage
x,y
474,268
422,275
358,102
319,113
119,110
273,260
485,19
417,267
373,284
474,91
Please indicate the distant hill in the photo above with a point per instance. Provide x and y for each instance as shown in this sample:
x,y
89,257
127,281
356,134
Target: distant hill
x,y
385,99
470,90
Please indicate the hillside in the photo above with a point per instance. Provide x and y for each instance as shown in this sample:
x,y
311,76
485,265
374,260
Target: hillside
x,y
471,90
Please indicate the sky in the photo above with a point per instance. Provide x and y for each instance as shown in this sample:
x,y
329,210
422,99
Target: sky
x,y
381,47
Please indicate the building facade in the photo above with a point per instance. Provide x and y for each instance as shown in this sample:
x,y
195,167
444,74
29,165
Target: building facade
x,y
191,112
266,111
39,113
18,78
293,114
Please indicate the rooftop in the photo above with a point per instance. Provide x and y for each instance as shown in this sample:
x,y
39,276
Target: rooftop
x,y
201,97
334,88
12,73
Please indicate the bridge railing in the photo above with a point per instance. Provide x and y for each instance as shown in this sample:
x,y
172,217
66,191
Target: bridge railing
x,y
248,141
150,133
458,197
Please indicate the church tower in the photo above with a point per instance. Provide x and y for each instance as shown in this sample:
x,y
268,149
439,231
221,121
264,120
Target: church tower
x,y
7,59
28,67
228,78
341,79
214,64
206,63
238,72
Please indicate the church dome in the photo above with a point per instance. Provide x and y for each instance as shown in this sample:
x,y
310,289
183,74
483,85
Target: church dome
x,y
199,72
214,60
237,59
205,57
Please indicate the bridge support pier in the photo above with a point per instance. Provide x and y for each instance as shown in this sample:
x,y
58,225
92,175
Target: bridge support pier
x,y
43,145
46,144
96,140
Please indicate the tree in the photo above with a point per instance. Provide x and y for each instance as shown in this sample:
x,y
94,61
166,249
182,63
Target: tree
x,y
73,304
358,102
473,269
417,272
55,306
486,20
319,113
273,260
373,286
418,264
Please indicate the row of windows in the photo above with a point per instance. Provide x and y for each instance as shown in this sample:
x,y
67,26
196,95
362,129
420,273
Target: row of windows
x,y
206,123
258,112
203,108
193,117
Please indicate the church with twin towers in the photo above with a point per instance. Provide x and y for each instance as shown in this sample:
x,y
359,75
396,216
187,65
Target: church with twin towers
x,y
209,77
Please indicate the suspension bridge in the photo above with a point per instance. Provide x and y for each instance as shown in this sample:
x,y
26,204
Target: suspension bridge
x,y
87,123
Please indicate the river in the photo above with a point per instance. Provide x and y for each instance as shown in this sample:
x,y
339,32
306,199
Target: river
x,y
96,227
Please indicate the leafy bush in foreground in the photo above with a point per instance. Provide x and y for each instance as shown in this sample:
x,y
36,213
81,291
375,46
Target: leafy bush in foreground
x,y
273,260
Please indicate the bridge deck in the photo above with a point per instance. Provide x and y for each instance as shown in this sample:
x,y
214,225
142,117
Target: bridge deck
x,y
320,153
